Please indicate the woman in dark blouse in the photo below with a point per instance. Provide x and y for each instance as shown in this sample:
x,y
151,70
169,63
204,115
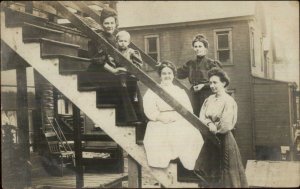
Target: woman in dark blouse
x,y
196,71
128,99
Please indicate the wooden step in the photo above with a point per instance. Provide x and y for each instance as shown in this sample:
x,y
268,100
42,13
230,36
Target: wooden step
x,y
33,33
95,80
83,53
17,18
38,27
72,64
51,48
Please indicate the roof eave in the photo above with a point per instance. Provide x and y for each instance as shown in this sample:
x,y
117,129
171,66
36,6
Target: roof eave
x,y
190,23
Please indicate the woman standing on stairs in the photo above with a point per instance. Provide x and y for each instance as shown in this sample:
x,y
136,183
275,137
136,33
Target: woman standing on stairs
x,y
168,135
196,71
129,110
223,167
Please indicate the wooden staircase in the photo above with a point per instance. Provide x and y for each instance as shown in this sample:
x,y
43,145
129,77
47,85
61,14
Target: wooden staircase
x,y
45,57
59,54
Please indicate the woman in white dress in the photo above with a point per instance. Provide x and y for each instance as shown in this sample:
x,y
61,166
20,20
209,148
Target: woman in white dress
x,y
168,135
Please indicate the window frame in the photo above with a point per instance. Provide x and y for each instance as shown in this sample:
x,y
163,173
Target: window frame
x,y
216,49
252,47
146,48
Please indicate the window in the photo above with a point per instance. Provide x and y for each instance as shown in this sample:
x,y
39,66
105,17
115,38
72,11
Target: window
x,y
261,55
152,46
223,46
252,48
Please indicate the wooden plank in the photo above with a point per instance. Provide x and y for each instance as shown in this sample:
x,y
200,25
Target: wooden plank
x,y
53,48
17,18
78,147
142,76
23,126
72,64
273,173
93,180
134,173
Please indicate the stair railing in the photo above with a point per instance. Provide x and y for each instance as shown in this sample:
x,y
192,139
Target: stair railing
x,y
95,15
140,74
63,135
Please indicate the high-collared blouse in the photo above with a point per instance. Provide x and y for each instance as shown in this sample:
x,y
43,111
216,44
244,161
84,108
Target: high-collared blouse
x,y
222,111
196,70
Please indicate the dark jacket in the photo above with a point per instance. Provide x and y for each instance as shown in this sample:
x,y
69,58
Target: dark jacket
x,y
98,55
196,70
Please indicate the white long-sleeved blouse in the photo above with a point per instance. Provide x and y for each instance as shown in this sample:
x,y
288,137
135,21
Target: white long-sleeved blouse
x,y
222,111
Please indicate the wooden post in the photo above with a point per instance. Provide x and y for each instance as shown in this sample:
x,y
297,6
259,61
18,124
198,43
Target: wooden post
x,y
134,173
37,115
78,147
23,127
55,98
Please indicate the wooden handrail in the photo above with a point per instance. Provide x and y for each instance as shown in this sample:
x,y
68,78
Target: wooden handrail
x,y
83,6
140,74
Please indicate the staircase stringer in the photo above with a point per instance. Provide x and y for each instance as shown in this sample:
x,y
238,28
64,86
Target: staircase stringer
x,y
86,102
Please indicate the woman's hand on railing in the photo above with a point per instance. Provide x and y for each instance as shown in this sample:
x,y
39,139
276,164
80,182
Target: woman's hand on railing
x,y
212,128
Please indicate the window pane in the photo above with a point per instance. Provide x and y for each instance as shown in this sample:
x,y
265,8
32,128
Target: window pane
x,y
153,55
224,56
223,42
152,44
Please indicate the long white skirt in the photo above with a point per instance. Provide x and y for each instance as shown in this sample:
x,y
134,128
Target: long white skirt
x,y
165,142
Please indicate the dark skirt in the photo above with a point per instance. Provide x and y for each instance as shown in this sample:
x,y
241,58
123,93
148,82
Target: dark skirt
x,y
111,91
222,167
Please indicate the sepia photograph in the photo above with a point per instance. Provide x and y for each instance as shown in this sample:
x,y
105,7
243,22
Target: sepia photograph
x,y
150,94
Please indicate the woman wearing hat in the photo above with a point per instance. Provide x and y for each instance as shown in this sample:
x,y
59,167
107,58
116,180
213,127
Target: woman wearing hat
x,y
196,71
221,167
128,99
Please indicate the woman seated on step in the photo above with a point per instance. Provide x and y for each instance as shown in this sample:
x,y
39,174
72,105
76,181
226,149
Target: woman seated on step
x,y
168,135
115,89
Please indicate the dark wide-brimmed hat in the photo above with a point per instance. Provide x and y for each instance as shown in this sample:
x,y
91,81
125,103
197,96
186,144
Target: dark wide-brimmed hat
x,y
105,13
200,38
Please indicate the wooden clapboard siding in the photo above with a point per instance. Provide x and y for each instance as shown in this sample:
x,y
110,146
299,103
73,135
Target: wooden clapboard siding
x,y
271,113
69,181
176,46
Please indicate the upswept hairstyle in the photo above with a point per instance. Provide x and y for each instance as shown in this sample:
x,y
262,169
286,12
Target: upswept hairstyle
x,y
168,64
200,38
221,74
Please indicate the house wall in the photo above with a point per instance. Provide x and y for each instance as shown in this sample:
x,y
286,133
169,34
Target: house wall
x,y
175,45
257,67
272,114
